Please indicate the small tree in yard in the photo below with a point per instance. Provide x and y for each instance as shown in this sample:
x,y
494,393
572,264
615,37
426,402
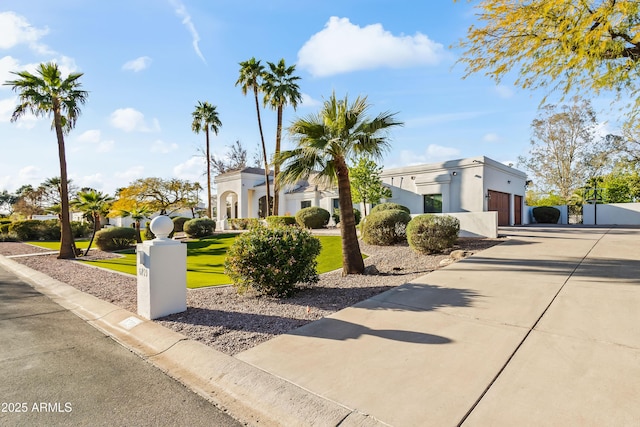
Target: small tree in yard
x,y
366,185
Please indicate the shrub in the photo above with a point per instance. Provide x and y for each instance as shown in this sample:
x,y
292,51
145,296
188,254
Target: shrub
x,y
8,237
50,230
148,234
271,260
199,227
546,214
388,206
243,223
4,227
273,221
385,227
312,217
5,221
81,229
356,213
432,233
115,238
26,230
178,223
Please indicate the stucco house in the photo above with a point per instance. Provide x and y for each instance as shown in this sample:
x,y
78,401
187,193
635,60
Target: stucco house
x,y
473,185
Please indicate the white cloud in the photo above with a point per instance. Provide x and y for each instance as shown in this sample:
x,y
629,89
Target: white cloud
x,y
91,136
17,30
131,174
7,106
341,47
8,64
432,154
160,146
94,137
504,91
105,146
491,137
96,181
191,170
28,173
137,64
181,12
130,120
308,101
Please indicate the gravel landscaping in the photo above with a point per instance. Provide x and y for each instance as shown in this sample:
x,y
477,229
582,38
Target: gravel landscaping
x,y
231,323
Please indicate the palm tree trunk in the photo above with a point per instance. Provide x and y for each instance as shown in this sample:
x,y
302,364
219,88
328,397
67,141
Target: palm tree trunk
x,y
276,166
264,152
352,262
96,227
138,236
67,245
209,210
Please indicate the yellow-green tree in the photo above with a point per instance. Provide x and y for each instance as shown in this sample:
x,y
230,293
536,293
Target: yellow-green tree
x,y
558,44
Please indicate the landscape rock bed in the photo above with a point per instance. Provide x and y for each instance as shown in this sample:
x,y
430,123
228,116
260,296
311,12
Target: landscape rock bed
x,y
232,323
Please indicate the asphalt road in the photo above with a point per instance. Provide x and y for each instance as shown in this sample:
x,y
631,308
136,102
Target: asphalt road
x,y
56,370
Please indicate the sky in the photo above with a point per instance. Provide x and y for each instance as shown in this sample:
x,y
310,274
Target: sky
x,y
147,63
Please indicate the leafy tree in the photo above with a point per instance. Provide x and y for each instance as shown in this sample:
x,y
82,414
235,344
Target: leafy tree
x,y
558,44
45,94
137,213
237,159
251,74
29,201
7,201
564,150
366,185
325,142
205,117
280,88
163,195
93,204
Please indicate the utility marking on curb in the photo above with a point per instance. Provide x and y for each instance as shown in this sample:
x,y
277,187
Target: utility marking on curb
x,y
130,323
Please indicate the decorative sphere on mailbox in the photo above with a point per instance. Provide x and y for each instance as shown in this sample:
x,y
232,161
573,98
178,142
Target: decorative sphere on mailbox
x,y
161,226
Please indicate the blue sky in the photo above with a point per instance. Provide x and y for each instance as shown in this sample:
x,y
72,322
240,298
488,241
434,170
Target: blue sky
x,y
147,63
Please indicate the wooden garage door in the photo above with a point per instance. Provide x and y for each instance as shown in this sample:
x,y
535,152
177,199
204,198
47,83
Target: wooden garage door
x,y
500,202
517,210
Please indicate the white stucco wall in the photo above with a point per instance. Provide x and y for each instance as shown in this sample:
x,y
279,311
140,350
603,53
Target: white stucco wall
x,y
611,214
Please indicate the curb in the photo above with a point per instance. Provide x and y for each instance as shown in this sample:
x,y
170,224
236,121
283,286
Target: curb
x,y
249,394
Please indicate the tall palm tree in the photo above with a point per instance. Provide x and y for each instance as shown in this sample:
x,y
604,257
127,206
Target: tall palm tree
x,y
137,213
280,88
325,143
205,117
93,204
46,93
250,78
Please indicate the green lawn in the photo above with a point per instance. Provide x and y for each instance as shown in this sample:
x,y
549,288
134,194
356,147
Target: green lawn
x,y
205,259
55,246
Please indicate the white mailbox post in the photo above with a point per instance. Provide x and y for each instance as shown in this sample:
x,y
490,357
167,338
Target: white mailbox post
x,y
162,272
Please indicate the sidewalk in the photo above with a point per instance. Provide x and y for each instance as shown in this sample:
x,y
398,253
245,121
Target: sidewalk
x,y
541,330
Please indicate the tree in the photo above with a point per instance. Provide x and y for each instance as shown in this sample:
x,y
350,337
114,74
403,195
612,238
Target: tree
x,y
366,185
137,213
163,195
325,142
251,73
7,200
46,94
564,150
558,44
236,159
93,204
205,117
280,88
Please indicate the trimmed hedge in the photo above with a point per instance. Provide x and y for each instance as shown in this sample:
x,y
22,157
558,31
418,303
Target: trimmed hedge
x,y
388,206
432,233
115,238
273,221
199,227
32,229
356,213
385,227
178,223
272,261
313,217
243,223
546,214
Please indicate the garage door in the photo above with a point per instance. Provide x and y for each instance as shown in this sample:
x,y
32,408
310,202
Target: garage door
x,y
499,202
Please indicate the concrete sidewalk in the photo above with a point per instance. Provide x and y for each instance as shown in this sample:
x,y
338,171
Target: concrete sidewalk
x,y
541,330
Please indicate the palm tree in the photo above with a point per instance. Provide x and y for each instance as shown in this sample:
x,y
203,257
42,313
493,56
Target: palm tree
x,y
251,73
205,117
93,204
325,143
280,88
44,94
137,213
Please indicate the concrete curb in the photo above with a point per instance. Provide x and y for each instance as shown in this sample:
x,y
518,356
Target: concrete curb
x,y
249,394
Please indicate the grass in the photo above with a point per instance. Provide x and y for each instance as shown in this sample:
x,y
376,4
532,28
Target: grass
x,y
55,246
205,259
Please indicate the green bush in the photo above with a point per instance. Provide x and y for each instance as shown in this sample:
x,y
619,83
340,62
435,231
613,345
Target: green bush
x,y
313,217
546,214
385,227
356,213
4,227
272,260
388,206
5,221
8,237
243,223
199,227
273,221
115,238
50,230
178,223
30,229
432,233
81,229
148,234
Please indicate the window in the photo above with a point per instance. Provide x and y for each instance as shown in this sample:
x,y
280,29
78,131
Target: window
x,y
432,203
305,204
336,203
